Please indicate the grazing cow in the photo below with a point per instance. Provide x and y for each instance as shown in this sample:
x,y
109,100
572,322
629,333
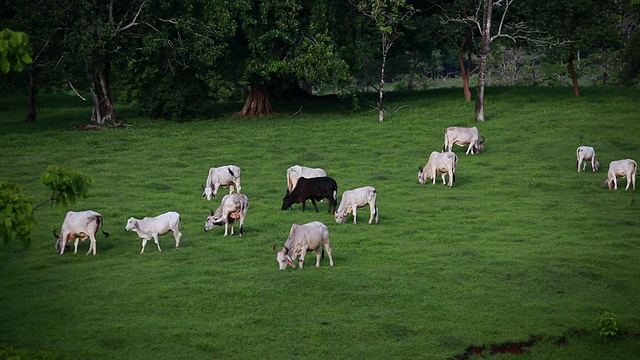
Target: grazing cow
x,y
462,136
304,238
225,176
444,163
150,227
587,153
626,167
357,198
232,207
296,172
79,226
315,189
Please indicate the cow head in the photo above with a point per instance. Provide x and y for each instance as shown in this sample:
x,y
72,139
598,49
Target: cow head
x,y
212,221
340,217
283,258
208,193
478,146
422,177
286,203
609,183
59,242
597,166
132,223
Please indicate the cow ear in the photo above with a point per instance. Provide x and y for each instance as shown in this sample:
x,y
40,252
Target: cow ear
x,y
290,262
286,250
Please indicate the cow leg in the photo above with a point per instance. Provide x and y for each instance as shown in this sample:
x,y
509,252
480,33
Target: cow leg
x,y
233,224
238,187
155,240
92,245
318,255
230,189
144,243
178,236
313,201
327,248
615,183
633,180
354,214
373,212
443,177
628,182
75,246
304,204
241,224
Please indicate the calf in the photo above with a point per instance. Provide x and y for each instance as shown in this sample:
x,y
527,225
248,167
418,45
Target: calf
x,y
150,227
357,198
225,176
626,167
232,207
444,163
587,153
296,172
79,226
314,189
304,238
462,136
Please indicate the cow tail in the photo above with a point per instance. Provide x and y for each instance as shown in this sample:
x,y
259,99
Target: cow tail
x,y
231,172
100,223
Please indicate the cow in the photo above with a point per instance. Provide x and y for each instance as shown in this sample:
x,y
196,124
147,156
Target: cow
x,y
357,198
79,226
439,162
232,207
626,167
587,153
462,136
296,172
315,189
150,227
225,176
304,238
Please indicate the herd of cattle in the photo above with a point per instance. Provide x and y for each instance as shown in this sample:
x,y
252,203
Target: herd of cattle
x,y
304,184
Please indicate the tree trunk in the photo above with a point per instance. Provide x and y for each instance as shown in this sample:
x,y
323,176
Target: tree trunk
x,y
257,104
486,38
412,73
465,70
31,107
380,89
572,71
103,109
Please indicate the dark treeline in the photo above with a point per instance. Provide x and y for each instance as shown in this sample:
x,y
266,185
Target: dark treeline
x,y
176,59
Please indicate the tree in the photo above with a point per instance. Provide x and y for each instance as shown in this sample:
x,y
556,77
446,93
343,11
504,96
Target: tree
x,y
16,211
388,16
15,52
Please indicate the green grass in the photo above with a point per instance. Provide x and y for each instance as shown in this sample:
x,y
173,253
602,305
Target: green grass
x,y
521,247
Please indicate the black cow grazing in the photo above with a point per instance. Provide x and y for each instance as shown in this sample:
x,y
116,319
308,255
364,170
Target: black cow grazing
x,y
314,189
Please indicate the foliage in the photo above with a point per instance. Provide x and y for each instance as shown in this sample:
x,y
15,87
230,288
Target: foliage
x,y
631,55
15,52
65,185
16,214
607,325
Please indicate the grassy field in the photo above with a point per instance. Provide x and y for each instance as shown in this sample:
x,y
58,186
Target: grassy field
x,y
522,251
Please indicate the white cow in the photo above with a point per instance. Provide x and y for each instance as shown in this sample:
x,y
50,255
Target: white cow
x,y
462,136
225,176
444,163
296,172
150,227
303,238
357,198
626,167
232,207
587,153
79,226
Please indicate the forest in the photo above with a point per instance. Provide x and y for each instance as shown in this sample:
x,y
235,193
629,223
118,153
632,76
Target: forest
x,y
178,60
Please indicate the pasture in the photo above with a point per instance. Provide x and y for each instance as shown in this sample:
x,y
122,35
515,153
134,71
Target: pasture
x,y
523,251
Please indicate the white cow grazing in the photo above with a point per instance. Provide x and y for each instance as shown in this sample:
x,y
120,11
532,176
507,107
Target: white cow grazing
x,y
444,163
150,227
626,167
357,198
462,136
303,238
79,226
225,176
296,172
587,153
232,207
